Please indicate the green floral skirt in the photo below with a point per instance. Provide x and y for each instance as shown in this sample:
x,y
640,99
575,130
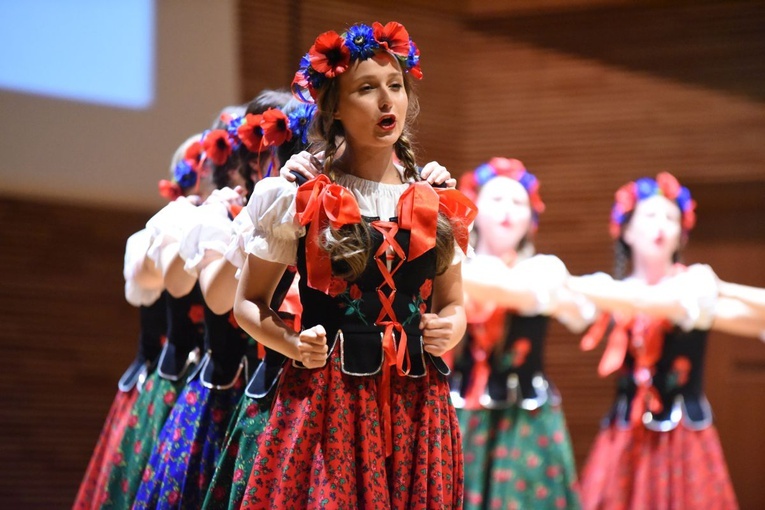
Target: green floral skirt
x,y
233,470
149,414
516,458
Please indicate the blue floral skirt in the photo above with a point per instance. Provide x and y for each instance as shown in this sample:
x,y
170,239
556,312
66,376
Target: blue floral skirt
x,y
182,462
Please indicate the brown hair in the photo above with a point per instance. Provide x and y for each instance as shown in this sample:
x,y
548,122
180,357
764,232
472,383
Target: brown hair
x,y
349,246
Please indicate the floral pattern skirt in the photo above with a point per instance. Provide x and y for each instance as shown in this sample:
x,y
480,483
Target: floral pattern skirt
x,y
146,420
518,459
183,460
631,468
324,446
92,490
235,464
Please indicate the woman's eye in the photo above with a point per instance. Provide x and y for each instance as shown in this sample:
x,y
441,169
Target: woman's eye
x,y
365,88
396,86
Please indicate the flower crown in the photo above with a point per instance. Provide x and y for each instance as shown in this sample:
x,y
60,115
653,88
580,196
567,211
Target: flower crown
x,y
332,54
185,173
471,182
258,132
665,184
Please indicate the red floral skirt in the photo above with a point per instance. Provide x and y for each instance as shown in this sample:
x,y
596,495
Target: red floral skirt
x,y
324,446
639,468
94,483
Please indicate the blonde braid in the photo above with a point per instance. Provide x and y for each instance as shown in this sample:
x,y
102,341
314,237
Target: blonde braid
x,y
405,154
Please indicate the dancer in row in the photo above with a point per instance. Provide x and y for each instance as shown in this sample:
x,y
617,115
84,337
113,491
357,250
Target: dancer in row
x,y
658,447
514,432
362,417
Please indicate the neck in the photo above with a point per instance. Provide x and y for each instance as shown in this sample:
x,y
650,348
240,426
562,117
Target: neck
x,y
649,270
372,164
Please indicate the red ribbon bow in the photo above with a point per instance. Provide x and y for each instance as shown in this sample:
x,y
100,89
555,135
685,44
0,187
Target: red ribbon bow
x,y
320,202
461,212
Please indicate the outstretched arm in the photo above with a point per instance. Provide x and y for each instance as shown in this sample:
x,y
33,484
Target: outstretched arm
x,y
753,297
628,297
738,317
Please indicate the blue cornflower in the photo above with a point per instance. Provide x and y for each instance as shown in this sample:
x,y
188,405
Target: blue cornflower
x,y
360,40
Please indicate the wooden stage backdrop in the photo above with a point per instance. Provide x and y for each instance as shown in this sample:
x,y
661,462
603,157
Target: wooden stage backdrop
x,y
588,93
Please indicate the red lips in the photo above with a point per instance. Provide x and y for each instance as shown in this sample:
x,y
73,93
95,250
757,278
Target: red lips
x,y
387,122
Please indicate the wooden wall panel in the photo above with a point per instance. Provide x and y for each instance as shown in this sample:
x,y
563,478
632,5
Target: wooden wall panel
x,y
66,333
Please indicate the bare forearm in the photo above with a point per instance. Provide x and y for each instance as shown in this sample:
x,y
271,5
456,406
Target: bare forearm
x,y
265,326
504,293
628,298
752,296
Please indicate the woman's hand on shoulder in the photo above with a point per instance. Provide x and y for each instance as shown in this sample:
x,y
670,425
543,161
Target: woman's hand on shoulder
x,y
437,174
303,163
436,333
312,347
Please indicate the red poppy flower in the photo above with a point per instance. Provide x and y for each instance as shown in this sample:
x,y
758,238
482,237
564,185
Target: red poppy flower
x,y
147,474
508,167
202,480
194,152
217,146
423,308
169,397
355,292
392,37
552,471
668,185
276,127
521,349
117,458
219,493
176,435
682,365
173,497
150,409
426,288
238,475
689,217
137,447
197,314
337,286
416,71
233,449
169,190
626,196
191,398
250,132
124,486
329,55
217,415
133,421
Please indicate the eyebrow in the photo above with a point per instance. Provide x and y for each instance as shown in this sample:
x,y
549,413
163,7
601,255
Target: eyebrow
x,y
369,77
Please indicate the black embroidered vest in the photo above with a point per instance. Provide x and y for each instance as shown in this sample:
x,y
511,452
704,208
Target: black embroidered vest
x,y
153,327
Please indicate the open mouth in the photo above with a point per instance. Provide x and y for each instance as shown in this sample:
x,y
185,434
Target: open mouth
x,y
387,122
